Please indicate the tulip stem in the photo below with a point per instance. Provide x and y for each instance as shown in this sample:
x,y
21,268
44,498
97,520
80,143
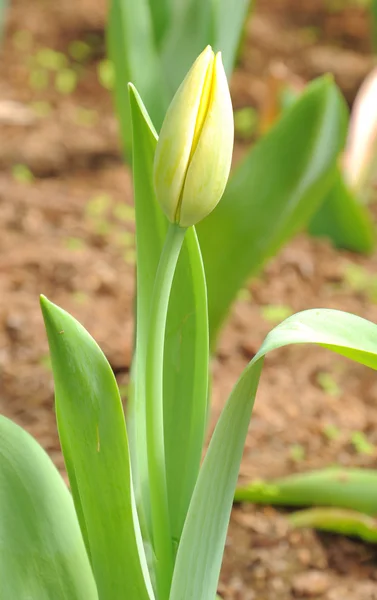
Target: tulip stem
x,y
162,542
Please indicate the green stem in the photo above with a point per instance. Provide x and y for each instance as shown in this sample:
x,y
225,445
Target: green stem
x,y
155,411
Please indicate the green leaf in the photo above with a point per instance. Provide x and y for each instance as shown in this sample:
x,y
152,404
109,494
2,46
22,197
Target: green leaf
x,y
186,340
272,194
161,14
198,564
336,520
194,25
130,22
42,553
191,30
230,20
344,220
94,442
346,488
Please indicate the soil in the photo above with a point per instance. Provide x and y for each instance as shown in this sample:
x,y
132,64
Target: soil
x,y
65,233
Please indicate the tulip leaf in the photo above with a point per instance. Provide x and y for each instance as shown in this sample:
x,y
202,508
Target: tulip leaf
x,y
42,552
229,23
272,194
344,220
186,341
212,500
341,487
194,25
128,23
95,447
190,32
337,520
161,15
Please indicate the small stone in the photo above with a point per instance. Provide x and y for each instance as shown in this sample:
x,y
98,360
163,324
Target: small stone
x,y
310,584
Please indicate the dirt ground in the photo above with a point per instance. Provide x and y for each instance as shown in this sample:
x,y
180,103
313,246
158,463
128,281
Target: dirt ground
x,y
65,233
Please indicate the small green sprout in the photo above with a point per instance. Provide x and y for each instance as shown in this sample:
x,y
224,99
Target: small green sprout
x,y
22,174
73,243
361,443
79,50
124,239
331,432
66,81
50,59
327,383
124,212
22,40
245,122
297,452
361,280
274,313
98,206
86,117
38,79
106,74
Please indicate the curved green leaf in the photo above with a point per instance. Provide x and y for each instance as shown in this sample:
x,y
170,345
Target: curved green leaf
x,y
194,25
344,220
336,486
200,552
229,23
132,51
336,520
186,340
272,194
94,442
42,552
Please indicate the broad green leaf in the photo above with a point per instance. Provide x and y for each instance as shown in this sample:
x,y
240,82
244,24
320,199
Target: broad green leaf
x,y
229,23
202,543
272,194
194,25
161,16
343,219
132,51
337,520
191,30
186,341
42,552
94,442
341,487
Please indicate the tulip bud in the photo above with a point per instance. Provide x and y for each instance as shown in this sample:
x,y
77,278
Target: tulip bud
x,y
360,157
194,150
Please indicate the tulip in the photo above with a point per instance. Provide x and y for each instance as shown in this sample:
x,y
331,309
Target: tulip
x,y
194,150
360,157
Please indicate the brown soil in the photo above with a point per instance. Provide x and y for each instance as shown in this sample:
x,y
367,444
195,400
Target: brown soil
x,y
64,234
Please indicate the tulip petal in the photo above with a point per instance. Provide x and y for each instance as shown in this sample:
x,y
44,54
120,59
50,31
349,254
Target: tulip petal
x,y
209,167
361,148
177,134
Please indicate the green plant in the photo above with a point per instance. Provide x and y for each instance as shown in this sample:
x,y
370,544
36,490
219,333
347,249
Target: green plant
x,y
147,521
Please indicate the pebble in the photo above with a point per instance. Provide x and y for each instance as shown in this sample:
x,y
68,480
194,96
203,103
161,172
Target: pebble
x,y
310,584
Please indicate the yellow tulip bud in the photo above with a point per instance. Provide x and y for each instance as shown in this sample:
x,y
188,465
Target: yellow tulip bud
x,y
194,150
